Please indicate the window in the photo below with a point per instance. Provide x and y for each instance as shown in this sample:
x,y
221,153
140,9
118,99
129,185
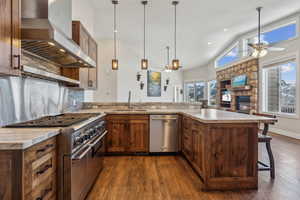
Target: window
x,y
279,87
229,57
212,93
282,33
195,91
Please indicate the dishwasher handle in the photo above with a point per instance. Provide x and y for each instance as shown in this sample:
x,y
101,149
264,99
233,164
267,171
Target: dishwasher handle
x,y
164,119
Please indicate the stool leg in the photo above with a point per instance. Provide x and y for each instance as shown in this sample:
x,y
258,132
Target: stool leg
x,y
271,158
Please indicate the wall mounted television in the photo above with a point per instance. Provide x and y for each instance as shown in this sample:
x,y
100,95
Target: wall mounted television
x,y
239,81
226,96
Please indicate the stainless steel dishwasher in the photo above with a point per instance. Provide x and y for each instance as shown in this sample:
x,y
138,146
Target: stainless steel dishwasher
x,y
163,133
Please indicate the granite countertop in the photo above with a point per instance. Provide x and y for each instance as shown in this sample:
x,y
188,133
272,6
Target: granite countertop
x,y
22,138
203,115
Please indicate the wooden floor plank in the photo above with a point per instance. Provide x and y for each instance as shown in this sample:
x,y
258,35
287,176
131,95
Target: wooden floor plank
x,y
171,178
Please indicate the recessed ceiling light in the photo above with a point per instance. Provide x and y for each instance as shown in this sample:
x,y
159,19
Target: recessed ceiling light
x,y
209,43
225,29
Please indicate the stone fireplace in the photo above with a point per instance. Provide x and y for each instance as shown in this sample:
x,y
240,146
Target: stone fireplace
x,y
243,99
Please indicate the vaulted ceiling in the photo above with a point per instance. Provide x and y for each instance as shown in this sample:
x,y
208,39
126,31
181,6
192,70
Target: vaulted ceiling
x,y
199,22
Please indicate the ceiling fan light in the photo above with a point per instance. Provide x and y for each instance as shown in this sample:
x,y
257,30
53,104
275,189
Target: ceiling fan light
x,y
263,53
259,53
175,64
115,64
144,64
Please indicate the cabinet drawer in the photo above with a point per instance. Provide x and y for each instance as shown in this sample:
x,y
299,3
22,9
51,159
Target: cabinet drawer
x,y
39,150
39,171
45,191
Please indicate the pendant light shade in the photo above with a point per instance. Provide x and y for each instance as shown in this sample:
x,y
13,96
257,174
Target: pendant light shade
x,y
115,62
144,64
144,61
175,61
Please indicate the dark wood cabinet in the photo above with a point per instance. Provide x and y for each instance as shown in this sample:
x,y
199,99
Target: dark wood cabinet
x,y
117,136
138,135
92,73
30,173
127,134
192,143
198,148
86,76
10,44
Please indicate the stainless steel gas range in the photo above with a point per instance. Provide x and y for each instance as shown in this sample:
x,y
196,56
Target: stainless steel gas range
x,y
80,150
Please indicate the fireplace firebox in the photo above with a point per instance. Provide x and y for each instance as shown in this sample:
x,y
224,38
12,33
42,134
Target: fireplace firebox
x,y
243,104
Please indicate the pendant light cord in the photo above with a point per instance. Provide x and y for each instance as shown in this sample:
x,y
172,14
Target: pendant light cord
x,y
175,32
144,30
259,25
115,31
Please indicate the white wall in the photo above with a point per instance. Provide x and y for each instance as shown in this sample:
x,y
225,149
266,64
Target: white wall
x,y
114,85
129,61
286,125
86,14
107,78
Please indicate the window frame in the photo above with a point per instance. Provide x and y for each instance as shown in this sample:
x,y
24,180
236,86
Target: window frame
x,y
208,93
194,83
236,44
272,28
263,100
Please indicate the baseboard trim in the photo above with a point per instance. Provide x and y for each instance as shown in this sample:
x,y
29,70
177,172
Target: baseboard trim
x,y
285,133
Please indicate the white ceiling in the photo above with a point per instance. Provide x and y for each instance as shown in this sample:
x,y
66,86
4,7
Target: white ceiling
x,y
199,22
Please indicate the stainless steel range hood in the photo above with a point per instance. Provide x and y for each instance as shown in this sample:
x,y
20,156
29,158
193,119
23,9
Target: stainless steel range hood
x,y
41,37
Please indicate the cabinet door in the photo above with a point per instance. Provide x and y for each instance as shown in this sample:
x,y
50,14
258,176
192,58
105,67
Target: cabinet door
x,y
92,82
198,150
187,144
116,139
10,37
138,136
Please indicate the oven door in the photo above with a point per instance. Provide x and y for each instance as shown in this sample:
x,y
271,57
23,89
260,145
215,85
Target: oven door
x,y
79,170
96,163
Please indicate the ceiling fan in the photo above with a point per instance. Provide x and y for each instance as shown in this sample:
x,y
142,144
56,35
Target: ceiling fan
x,y
261,48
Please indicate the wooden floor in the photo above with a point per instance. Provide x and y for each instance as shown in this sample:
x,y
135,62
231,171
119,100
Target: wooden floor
x,y
171,178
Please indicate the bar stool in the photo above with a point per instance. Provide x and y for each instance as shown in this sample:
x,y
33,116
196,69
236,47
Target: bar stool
x,y
265,138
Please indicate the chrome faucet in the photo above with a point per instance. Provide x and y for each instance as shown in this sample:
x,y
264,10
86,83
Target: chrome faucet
x,y
129,100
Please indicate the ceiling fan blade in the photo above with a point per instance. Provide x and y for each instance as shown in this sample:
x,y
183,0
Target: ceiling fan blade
x,y
276,48
252,45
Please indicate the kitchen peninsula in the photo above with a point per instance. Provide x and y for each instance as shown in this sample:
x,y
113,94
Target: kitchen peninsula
x,y
221,146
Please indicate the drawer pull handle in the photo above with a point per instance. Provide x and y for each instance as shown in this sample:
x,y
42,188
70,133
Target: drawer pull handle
x,y
45,148
44,170
46,191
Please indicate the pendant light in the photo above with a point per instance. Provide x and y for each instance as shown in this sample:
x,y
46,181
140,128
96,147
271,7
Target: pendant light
x,y
259,50
144,61
115,62
175,62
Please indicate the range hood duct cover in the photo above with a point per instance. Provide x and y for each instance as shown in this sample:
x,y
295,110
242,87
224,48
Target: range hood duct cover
x,y
39,36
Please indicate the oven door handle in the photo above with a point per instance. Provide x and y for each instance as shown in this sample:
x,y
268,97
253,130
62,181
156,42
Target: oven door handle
x,y
83,154
96,142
